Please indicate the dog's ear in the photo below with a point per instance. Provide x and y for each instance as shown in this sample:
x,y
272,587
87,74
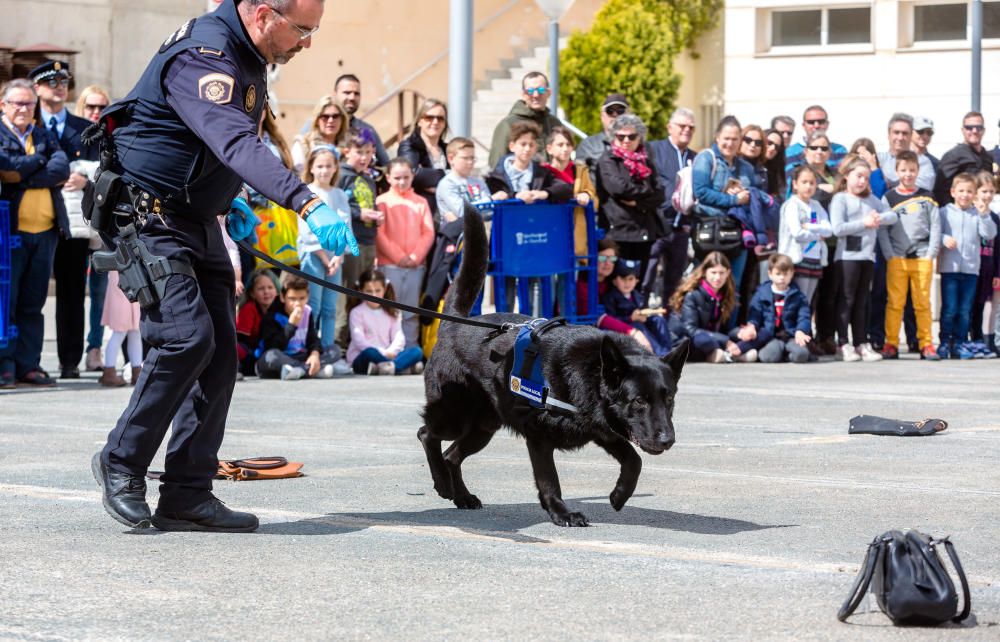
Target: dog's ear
x,y
614,365
675,358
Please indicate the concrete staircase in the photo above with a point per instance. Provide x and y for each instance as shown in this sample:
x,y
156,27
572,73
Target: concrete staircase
x,y
493,102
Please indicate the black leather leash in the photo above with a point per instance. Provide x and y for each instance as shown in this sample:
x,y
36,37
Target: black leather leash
x,y
434,314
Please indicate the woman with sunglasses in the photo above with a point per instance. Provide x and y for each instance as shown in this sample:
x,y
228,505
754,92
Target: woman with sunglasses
x,y
817,157
425,149
774,163
329,127
629,191
752,151
92,101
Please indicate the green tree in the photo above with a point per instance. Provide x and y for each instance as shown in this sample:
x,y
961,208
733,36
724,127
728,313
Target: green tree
x,y
631,49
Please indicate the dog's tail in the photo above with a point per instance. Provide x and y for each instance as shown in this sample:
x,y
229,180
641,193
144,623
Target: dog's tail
x,y
475,260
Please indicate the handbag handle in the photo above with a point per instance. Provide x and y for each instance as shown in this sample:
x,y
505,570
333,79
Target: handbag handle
x,y
966,599
863,580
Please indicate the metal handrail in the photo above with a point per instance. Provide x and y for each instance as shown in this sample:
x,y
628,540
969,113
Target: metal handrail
x,y
573,128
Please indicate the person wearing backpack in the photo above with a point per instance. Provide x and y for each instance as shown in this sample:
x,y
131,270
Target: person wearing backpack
x,y
669,157
721,180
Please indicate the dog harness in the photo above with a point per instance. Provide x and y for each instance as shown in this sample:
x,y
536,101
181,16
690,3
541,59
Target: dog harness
x,y
526,378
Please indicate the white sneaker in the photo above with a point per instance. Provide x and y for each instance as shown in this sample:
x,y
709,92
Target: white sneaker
x,y
341,368
750,356
868,353
94,361
417,368
325,372
847,352
291,373
718,356
373,369
387,368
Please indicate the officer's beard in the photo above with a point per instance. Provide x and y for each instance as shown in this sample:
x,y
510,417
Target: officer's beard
x,y
282,57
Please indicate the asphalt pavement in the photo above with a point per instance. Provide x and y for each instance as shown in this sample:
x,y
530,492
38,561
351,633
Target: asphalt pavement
x,y
752,527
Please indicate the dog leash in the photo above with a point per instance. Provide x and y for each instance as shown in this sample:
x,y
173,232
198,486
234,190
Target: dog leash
x,y
434,314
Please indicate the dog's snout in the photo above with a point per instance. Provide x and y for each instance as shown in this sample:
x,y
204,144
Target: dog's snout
x,y
665,439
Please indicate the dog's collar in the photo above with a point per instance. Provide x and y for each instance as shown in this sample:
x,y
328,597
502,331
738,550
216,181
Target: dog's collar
x,y
526,378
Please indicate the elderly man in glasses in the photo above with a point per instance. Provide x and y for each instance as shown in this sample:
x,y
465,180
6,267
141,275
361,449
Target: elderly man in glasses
x,y
51,80
32,167
593,147
533,106
814,119
968,156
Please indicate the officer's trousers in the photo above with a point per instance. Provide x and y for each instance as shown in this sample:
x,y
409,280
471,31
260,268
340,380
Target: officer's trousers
x,y
191,361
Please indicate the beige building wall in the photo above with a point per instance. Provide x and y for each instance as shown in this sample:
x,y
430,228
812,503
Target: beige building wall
x,y
860,85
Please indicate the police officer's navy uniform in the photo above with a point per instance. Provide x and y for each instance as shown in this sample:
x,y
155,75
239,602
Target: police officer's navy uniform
x,y
188,135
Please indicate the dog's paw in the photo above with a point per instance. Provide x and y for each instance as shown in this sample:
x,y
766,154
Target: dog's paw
x,y
468,502
618,498
569,519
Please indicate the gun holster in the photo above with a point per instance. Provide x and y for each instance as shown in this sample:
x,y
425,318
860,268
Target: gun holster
x,y
142,276
100,198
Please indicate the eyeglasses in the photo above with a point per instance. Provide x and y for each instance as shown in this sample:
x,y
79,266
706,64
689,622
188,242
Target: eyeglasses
x,y
434,119
93,107
771,143
819,148
57,82
601,258
925,132
537,91
626,137
755,142
974,128
816,121
683,126
614,110
16,104
303,32
329,117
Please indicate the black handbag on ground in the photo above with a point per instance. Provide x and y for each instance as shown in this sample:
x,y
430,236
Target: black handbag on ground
x,y
909,581
871,425
716,234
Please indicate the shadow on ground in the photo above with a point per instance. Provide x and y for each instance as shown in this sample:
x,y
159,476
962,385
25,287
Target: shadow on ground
x,y
506,521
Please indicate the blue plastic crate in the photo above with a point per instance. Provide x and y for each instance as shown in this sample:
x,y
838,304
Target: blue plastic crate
x,y
7,240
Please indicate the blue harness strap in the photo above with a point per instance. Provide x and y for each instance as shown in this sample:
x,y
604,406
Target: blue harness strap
x,y
526,378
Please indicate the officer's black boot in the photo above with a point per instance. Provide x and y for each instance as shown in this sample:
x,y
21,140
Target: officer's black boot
x,y
123,495
211,515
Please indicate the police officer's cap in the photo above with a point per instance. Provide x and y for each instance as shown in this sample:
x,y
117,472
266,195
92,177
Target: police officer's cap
x,y
49,69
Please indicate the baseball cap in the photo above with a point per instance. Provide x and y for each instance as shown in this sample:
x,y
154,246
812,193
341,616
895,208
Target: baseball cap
x,y
615,99
921,123
625,267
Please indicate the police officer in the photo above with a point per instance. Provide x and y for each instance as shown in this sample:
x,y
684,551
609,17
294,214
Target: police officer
x,y
185,139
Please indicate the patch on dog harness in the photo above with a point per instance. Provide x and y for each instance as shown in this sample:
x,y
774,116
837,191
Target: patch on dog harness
x,y
526,378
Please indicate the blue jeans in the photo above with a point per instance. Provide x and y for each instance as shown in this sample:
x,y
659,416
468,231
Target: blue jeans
x,y
957,294
403,360
98,287
31,267
322,301
657,333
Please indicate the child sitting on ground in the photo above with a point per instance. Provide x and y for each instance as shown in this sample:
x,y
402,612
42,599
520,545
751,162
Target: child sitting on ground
x,y
404,239
910,246
378,346
963,228
623,303
779,320
705,302
290,344
459,186
261,291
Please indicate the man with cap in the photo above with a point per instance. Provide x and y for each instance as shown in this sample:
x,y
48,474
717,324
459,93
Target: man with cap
x,y
185,140
533,106
51,80
923,132
593,147
32,167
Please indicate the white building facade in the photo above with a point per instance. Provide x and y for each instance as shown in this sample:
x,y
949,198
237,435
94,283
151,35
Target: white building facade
x,y
862,61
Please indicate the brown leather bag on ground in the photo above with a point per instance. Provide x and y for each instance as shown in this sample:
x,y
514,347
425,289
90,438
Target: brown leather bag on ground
x,y
258,468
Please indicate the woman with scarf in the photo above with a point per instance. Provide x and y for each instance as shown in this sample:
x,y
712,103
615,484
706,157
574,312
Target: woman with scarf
x,y
629,191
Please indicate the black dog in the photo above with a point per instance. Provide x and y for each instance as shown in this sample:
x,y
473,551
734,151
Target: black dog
x,y
621,392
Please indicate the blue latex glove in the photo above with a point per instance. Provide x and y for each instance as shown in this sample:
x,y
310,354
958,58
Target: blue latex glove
x,y
241,222
332,232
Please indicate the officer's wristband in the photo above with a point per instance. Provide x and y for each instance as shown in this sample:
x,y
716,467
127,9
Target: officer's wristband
x,y
310,205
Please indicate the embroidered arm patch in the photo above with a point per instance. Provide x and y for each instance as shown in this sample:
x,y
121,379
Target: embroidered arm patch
x,y
216,88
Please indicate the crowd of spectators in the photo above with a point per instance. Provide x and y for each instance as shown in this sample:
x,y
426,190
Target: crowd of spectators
x,y
763,246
